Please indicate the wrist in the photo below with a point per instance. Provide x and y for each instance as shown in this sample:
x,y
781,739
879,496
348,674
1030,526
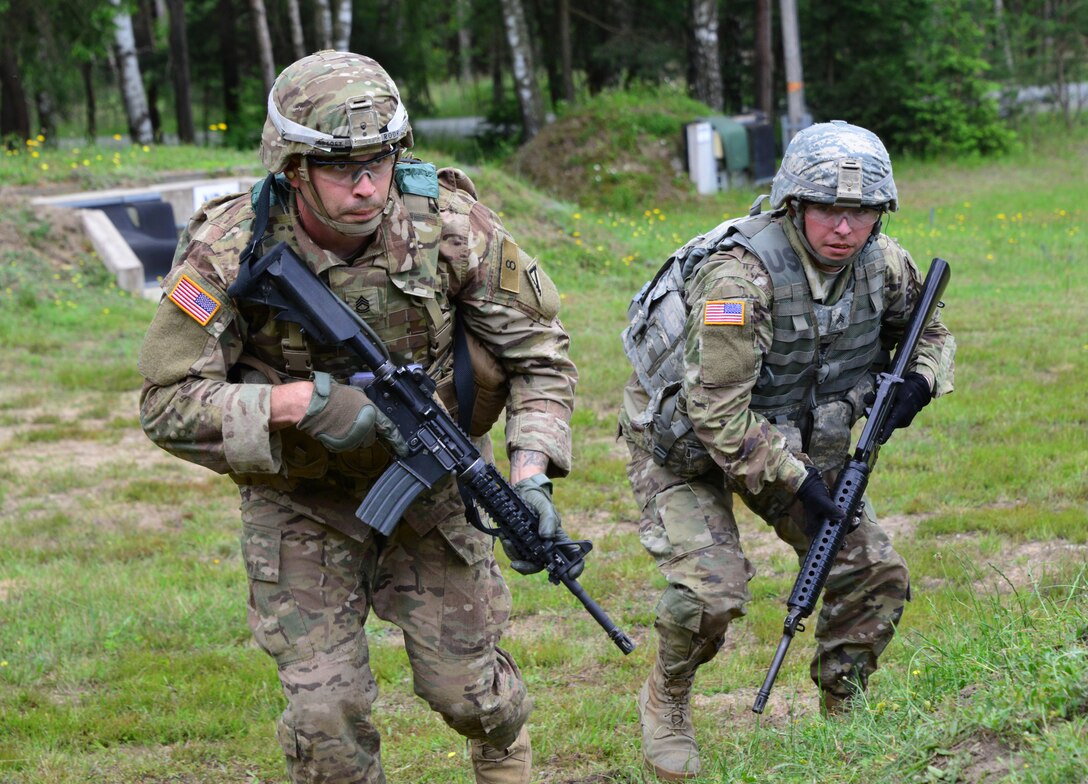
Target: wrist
x,y
289,403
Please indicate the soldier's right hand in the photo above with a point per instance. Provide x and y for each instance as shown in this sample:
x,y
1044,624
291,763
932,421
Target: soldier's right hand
x,y
339,416
816,501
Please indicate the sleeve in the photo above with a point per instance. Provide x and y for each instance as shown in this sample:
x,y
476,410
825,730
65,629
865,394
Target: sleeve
x,y
188,406
728,332
935,355
511,304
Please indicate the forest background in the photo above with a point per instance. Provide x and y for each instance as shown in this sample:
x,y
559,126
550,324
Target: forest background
x,y
124,651
928,76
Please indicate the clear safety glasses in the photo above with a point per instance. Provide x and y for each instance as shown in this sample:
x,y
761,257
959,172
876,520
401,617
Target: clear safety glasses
x,y
346,171
831,216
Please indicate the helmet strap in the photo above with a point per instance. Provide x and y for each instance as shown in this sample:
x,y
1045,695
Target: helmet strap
x,y
308,193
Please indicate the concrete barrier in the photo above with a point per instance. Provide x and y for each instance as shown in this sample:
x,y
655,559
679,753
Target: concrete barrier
x,y
184,197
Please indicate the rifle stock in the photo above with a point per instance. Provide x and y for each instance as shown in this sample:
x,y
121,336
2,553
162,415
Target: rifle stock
x,y
437,447
852,480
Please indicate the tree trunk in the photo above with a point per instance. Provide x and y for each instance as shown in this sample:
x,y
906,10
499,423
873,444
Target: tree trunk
x,y
132,86
525,85
705,65
342,26
566,58
298,42
143,28
264,43
764,58
498,90
87,70
14,114
179,55
323,19
464,41
228,59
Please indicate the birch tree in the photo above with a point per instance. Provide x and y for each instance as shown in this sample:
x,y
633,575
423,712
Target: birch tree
x,y
521,54
298,42
264,43
704,64
132,85
341,30
323,23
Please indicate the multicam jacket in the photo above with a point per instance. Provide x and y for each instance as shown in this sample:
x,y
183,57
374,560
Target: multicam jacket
x,y
209,362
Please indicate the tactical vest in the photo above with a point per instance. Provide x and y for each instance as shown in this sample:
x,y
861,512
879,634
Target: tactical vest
x,y
819,353
406,306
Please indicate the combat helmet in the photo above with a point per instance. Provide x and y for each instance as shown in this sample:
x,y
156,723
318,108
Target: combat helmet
x,y
332,104
836,163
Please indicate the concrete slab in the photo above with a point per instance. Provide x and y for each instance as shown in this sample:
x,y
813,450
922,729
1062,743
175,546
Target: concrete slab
x,y
184,197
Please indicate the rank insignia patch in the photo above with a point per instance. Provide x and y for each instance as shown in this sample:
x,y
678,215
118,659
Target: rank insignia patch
x,y
190,297
724,311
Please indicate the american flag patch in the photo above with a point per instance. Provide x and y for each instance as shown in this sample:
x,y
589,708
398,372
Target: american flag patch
x,y
724,311
194,300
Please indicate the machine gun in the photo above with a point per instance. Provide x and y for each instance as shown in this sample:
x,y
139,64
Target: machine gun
x,y
853,478
437,447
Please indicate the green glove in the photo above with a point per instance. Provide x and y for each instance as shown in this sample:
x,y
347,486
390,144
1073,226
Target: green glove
x,y
536,492
339,416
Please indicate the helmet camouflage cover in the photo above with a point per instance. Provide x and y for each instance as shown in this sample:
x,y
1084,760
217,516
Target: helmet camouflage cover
x,y
332,104
836,163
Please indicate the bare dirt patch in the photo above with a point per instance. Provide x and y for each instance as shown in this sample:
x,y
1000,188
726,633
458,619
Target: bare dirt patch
x,y
977,759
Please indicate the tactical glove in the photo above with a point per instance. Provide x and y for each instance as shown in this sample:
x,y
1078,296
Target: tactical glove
x,y
339,416
536,492
912,397
816,501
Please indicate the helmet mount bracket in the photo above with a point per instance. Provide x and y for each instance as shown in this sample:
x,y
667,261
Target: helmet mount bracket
x,y
849,190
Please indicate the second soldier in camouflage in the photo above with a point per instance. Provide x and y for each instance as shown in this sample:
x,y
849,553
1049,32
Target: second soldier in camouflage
x,y
754,349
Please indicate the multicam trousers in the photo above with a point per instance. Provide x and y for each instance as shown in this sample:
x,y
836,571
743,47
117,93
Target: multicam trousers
x,y
311,588
689,529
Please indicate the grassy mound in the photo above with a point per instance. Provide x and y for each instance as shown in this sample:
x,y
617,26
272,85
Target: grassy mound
x,y
620,151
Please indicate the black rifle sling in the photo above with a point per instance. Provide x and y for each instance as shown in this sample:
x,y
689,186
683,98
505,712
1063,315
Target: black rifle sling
x,y
260,222
464,387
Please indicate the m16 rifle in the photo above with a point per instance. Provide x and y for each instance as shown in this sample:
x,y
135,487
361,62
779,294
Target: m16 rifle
x,y
853,479
436,446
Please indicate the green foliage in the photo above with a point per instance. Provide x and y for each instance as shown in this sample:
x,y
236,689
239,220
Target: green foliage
x,y
912,72
950,109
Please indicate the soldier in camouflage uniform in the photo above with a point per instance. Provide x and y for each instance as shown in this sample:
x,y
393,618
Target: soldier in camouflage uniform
x,y
227,387
754,350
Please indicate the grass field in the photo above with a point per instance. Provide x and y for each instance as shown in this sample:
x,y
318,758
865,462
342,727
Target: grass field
x,y
124,653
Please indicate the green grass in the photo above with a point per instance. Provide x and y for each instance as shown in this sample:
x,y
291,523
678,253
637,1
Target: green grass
x,y
124,653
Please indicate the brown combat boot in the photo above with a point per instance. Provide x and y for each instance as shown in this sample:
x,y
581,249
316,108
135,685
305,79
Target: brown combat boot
x,y
668,736
502,766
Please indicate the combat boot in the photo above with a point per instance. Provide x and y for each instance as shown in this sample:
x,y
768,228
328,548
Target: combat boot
x,y
668,736
502,766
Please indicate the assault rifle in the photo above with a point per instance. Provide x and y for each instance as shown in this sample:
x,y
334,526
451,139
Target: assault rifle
x,y
853,478
436,445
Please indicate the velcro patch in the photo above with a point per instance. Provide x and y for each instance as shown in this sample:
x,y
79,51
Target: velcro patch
x,y
188,295
724,311
510,274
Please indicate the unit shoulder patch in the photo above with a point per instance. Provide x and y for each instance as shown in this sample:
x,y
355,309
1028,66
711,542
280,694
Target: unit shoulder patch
x,y
719,312
194,300
510,273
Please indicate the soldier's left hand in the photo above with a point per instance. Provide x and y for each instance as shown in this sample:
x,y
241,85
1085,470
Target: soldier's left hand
x,y
913,396
536,492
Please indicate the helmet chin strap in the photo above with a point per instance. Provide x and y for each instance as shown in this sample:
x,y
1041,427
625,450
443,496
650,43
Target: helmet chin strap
x,y
308,193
